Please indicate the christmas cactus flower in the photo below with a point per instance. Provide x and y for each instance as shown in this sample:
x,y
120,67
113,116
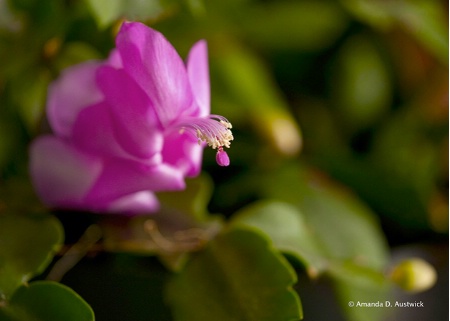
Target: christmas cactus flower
x,y
127,127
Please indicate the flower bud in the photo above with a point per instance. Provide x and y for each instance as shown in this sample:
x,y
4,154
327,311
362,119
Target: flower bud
x,y
414,275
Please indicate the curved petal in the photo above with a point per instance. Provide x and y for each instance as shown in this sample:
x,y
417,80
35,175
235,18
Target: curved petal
x,y
114,59
123,177
183,152
61,174
74,90
138,203
93,132
135,122
155,65
198,72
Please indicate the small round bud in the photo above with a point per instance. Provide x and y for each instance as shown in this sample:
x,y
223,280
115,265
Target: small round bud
x,y
414,275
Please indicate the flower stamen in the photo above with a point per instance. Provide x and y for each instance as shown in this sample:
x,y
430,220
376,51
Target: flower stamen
x,y
215,131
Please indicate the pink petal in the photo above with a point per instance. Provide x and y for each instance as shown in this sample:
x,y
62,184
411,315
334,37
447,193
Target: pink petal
x,y
155,65
183,152
93,131
135,123
122,177
114,59
138,203
198,71
74,90
61,174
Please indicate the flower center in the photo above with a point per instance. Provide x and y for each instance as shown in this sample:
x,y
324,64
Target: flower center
x,y
214,131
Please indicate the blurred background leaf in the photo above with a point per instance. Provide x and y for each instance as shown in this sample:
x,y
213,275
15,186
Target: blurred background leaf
x,y
44,300
27,246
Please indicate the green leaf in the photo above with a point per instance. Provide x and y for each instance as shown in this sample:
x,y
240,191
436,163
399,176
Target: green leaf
x,y
239,276
105,11
193,200
362,88
27,245
31,105
355,283
300,25
286,226
75,52
335,216
425,20
46,301
345,230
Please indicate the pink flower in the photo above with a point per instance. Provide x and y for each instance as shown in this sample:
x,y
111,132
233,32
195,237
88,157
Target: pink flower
x,y
127,127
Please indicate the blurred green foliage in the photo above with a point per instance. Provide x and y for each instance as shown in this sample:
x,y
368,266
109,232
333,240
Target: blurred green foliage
x,y
340,118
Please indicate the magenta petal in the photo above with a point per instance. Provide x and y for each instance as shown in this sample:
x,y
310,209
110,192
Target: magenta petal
x,y
122,177
93,132
135,122
138,203
198,71
75,89
61,174
114,59
183,152
152,61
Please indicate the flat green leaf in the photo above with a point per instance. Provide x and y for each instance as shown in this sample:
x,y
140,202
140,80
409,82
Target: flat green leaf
x,y
335,217
345,230
362,88
27,245
193,200
425,20
239,276
46,301
34,83
300,25
105,11
357,284
286,226
75,52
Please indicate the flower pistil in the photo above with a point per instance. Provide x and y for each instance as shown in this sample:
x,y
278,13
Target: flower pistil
x,y
215,131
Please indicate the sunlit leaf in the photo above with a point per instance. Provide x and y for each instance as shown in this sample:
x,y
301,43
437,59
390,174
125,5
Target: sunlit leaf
x,y
423,19
335,216
288,230
239,276
105,11
27,245
45,300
